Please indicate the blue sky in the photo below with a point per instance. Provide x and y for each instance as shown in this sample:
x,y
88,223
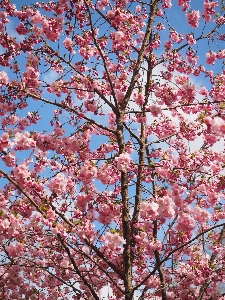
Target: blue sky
x,y
176,19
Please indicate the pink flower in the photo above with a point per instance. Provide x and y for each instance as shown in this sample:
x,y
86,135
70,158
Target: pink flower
x,y
204,91
159,26
218,126
31,79
138,9
57,87
208,9
69,44
113,240
102,4
193,18
91,105
32,60
139,99
59,131
174,36
201,215
3,78
167,4
9,159
4,224
168,45
149,210
21,172
185,222
52,28
123,162
21,29
184,3
166,207
108,174
155,110
211,57
221,54
119,36
88,172
58,184
37,18
110,14
190,39
23,141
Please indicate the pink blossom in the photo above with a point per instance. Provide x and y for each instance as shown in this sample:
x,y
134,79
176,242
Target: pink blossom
x,y
3,78
167,4
88,172
15,249
113,240
138,9
185,222
23,141
107,174
204,91
9,159
208,121
31,79
21,172
193,18
155,245
190,39
168,45
159,26
32,60
91,105
159,13
107,213
59,131
123,162
3,15
102,4
184,3
154,109
69,44
166,207
201,215
5,137
221,54
218,126
110,14
57,87
4,224
58,184
208,9
36,18
149,210
139,99
119,36
21,29
52,28
63,2
174,36
88,51
211,57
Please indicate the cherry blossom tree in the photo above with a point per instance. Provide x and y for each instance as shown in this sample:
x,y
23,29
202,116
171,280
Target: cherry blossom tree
x,y
112,149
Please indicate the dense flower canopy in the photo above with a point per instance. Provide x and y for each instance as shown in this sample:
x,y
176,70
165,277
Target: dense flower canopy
x,y
112,117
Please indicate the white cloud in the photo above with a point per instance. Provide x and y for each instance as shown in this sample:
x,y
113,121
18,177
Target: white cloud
x,y
50,76
10,29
